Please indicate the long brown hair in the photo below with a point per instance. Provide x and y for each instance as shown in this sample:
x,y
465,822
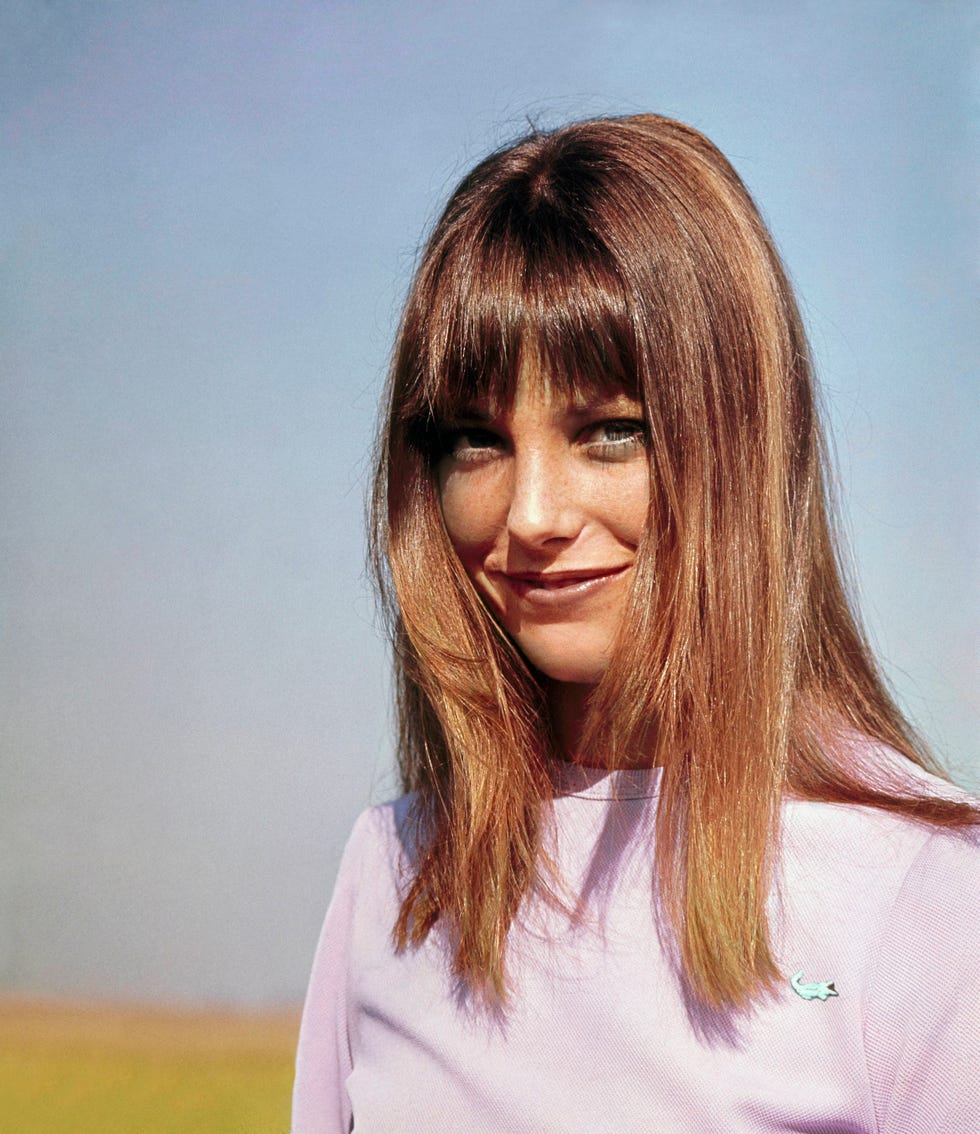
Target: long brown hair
x,y
626,253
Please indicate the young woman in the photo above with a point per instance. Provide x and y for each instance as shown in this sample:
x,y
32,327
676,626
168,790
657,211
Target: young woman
x,y
671,857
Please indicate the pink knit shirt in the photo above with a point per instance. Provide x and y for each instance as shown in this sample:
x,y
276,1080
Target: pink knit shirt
x,y
874,1027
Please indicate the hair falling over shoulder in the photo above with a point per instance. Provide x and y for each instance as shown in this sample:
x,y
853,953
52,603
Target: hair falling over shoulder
x,y
626,253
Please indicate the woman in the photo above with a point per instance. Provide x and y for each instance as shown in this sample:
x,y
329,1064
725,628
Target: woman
x,y
672,859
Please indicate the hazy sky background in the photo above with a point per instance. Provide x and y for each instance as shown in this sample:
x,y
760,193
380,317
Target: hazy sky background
x,y
209,214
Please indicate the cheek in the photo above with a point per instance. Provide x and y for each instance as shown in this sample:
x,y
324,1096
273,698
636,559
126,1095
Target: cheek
x,y
470,514
626,511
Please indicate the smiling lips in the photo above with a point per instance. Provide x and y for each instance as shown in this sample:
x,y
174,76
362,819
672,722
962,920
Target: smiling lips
x,y
554,588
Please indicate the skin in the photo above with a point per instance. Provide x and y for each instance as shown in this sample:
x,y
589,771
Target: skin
x,y
545,502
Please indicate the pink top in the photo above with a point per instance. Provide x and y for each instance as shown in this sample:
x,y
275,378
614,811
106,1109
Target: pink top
x,y
874,1027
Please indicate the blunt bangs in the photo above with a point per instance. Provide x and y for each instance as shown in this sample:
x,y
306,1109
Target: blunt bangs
x,y
521,281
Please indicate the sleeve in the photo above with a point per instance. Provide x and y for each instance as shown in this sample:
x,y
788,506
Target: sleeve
x,y
922,1038
323,1058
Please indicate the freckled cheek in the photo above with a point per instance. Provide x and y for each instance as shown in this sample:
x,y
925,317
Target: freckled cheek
x,y
633,524
625,510
471,521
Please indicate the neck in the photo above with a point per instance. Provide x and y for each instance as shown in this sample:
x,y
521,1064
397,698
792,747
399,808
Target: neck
x,y
569,708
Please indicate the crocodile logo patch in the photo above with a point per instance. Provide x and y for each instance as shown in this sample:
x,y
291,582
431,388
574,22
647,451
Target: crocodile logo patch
x,y
812,989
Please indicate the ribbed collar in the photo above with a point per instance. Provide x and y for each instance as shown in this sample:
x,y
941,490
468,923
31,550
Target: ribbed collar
x,y
599,783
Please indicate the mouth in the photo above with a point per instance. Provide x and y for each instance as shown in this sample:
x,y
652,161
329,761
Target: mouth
x,y
553,587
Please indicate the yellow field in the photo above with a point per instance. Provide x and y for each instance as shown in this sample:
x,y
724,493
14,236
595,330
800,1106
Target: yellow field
x,y
98,1070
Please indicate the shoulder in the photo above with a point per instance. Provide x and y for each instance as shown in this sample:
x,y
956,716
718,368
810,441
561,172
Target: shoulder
x,y
831,834
881,766
366,892
377,826
381,839
856,878
872,856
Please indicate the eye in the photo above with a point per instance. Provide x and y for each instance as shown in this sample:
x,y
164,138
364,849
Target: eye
x,y
619,439
470,443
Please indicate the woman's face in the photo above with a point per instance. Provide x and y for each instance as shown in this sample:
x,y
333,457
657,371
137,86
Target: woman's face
x,y
545,504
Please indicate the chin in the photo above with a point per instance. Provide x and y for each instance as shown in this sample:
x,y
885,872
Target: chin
x,y
567,663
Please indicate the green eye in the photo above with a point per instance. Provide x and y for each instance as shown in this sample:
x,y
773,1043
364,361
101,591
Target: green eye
x,y
617,440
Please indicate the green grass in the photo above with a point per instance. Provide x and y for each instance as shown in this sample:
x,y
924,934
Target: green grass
x,y
143,1073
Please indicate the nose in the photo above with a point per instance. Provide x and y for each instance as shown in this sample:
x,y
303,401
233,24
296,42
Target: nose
x,y
543,506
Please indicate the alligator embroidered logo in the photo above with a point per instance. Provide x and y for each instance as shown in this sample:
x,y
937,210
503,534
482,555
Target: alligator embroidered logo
x,y
812,989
